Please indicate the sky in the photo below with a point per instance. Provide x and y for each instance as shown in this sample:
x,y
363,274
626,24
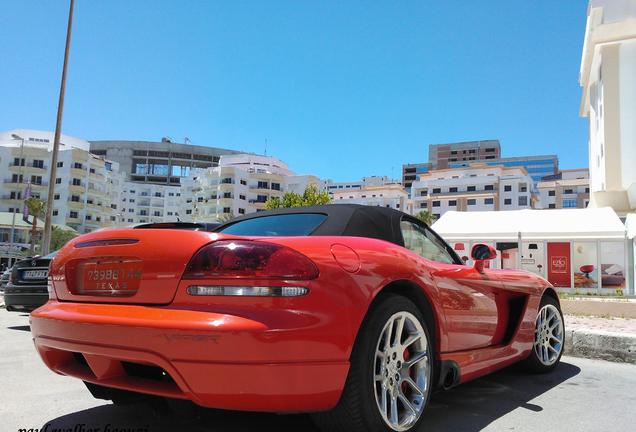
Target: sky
x,y
339,89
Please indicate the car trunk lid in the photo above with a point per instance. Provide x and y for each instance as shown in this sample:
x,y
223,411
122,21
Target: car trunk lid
x,y
125,265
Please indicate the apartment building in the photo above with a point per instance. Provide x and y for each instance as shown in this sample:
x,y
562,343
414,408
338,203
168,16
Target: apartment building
x,y
148,203
478,187
568,189
390,195
411,171
440,156
537,167
332,187
85,188
241,184
607,77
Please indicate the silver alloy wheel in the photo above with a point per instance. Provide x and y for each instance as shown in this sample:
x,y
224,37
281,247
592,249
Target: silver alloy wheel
x,y
401,371
548,335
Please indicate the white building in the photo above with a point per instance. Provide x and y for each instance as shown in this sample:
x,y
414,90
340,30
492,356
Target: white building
x,y
388,195
332,187
86,188
478,187
568,189
241,184
608,79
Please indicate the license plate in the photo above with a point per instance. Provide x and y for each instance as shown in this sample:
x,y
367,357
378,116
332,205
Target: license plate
x,y
117,278
35,274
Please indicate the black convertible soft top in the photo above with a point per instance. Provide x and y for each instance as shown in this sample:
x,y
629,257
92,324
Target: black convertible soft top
x,y
344,220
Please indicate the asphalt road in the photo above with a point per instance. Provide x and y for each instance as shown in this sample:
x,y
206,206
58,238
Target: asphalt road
x,y
580,395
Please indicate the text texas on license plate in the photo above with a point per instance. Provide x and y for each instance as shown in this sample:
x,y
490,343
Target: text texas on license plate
x,y
110,278
35,274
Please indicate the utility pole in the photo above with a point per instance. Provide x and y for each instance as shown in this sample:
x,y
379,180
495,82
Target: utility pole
x,y
56,141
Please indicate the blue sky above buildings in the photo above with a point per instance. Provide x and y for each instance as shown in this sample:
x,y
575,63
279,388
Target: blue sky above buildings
x,y
338,89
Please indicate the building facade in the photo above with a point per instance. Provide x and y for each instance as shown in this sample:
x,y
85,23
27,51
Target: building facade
x,y
478,187
86,187
536,166
607,77
568,189
332,187
388,195
240,185
440,156
163,162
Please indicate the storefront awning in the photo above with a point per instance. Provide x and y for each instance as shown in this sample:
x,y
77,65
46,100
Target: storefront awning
x,y
590,223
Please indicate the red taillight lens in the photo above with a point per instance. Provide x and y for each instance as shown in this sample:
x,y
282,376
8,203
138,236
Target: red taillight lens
x,y
251,260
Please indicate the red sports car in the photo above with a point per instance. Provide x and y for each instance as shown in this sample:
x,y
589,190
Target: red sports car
x,y
353,313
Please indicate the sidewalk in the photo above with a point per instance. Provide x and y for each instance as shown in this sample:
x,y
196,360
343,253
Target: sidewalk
x,y
600,328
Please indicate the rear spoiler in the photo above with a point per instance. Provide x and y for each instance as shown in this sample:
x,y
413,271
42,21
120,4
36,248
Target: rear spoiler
x,y
194,226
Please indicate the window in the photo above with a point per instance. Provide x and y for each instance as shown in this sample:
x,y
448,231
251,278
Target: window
x,y
227,210
241,211
471,188
507,188
130,220
471,201
262,185
77,182
77,165
453,189
551,206
58,180
242,197
73,215
488,201
436,203
276,186
36,180
88,217
17,179
16,195
423,205
55,212
568,191
244,182
75,198
92,170
189,211
437,190
523,188
56,196
60,164
587,190
452,203
551,193
489,187
569,203
299,224
18,162
38,163
508,201
523,200
490,150
157,213
424,243
424,192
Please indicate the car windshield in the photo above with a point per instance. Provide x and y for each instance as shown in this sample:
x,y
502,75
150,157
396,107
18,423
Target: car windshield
x,y
299,224
50,256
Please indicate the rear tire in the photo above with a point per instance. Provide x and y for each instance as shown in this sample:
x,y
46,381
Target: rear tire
x,y
390,377
549,336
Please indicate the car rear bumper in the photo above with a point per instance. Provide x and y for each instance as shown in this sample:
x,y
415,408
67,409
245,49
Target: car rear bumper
x,y
215,360
24,298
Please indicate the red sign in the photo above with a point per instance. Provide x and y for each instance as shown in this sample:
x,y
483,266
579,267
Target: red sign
x,y
559,265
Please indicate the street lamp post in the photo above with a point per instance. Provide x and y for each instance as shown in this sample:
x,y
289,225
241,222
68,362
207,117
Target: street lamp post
x,y
11,243
56,140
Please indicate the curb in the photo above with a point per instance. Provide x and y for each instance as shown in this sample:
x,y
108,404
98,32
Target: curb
x,y
598,344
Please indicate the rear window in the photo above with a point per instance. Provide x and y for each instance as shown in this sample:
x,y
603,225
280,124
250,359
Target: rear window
x,y
299,224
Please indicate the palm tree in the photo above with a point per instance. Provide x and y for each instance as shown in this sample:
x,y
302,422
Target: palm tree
x,y
36,208
426,216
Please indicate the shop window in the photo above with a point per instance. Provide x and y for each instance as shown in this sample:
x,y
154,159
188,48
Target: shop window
x,y
584,261
613,265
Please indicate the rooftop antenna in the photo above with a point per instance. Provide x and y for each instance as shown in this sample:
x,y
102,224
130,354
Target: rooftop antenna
x,y
265,146
187,140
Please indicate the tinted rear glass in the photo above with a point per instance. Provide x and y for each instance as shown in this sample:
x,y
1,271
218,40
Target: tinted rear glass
x,y
299,224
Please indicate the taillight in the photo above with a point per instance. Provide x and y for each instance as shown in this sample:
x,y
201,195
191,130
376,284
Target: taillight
x,y
245,259
51,289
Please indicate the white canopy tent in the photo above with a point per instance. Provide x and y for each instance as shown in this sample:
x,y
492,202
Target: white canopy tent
x,y
596,223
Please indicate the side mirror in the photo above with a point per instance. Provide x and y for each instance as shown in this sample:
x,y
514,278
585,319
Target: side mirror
x,y
481,253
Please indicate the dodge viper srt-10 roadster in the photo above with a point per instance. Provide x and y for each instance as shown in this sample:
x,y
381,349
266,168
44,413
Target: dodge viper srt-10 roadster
x,y
355,314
